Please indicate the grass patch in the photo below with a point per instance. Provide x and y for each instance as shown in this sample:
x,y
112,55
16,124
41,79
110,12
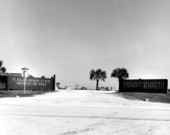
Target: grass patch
x,y
20,93
152,97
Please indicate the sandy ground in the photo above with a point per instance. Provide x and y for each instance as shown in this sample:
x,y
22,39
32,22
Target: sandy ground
x,y
82,113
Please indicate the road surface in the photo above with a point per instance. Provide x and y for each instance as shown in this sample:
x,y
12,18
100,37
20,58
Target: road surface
x,y
74,112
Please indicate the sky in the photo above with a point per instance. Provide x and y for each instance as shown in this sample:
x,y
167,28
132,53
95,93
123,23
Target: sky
x,y
68,38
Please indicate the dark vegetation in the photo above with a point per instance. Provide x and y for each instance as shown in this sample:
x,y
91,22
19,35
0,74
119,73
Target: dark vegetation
x,y
2,69
20,93
120,73
83,88
98,75
150,97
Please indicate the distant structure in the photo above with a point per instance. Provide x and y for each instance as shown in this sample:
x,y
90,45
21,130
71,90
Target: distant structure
x,y
144,85
58,85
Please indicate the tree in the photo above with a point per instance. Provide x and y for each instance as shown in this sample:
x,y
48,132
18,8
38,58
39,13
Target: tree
x,y
30,76
2,69
43,77
98,75
120,73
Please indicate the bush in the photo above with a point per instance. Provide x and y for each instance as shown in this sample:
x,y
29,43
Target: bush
x,y
83,88
103,88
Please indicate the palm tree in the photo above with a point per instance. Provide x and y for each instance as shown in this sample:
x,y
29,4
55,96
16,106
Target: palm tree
x,y
2,69
98,75
120,73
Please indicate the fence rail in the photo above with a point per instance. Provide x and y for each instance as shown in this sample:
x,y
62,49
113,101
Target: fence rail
x,y
144,85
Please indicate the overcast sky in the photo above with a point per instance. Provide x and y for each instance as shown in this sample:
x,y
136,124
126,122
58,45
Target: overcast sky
x,y
70,37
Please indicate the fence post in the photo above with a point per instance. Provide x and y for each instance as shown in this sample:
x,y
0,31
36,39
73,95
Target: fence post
x,y
165,86
54,83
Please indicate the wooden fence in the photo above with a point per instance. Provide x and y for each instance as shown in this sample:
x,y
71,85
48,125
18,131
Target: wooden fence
x,y
144,85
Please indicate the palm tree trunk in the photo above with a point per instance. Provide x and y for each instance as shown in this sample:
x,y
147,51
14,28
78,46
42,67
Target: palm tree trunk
x,y
97,84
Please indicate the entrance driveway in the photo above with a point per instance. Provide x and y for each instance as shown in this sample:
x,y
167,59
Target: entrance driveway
x,y
88,112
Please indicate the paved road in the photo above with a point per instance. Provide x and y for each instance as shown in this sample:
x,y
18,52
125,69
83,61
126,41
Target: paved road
x,y
82,112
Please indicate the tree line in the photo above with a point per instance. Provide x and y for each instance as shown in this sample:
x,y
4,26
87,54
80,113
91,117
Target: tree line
x,y
100,75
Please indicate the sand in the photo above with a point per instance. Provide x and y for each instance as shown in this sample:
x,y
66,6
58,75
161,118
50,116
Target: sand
x,y
72,112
